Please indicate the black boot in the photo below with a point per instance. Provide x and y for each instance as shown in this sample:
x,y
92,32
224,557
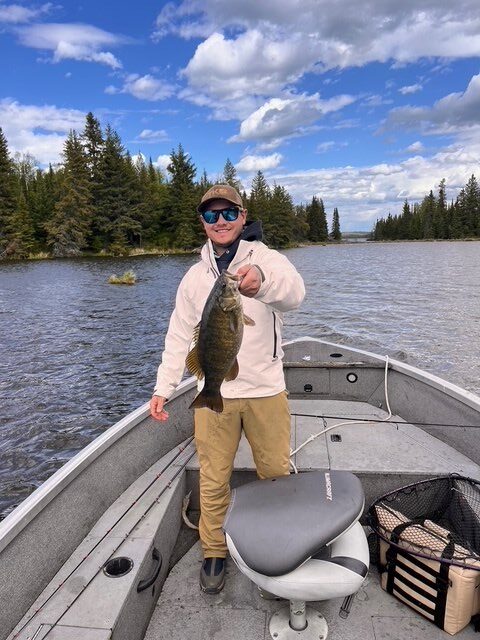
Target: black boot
x,y
212,575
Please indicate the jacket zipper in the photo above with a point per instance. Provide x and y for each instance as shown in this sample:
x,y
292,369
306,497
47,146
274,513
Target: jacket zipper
x,y
215,272
274,337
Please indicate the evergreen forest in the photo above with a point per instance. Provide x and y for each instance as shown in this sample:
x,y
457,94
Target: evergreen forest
x,y
99,201
434,218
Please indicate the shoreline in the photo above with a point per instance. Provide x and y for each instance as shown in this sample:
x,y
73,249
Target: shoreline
x,y
133,253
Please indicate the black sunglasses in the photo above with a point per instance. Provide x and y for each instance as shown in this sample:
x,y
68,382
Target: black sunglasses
x,y
229,215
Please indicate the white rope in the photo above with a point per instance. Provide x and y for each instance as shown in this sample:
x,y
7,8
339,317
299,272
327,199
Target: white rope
x,y
186,502
341,424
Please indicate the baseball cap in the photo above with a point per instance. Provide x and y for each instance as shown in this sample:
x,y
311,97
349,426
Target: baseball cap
x,y
220,191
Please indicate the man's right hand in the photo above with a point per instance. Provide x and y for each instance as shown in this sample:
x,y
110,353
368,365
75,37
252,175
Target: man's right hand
x,y
156,408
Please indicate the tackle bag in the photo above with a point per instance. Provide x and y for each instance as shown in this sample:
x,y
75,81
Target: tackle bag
x,y
429,548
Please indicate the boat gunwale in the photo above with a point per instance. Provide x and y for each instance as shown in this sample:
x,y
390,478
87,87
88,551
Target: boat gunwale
x,y
449,388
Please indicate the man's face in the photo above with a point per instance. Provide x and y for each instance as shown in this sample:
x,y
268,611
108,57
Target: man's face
x,y
223,233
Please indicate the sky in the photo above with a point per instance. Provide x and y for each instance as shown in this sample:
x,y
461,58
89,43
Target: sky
x,y
361,104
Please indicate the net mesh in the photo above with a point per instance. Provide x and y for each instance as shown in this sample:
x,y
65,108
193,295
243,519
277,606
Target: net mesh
x,y
437,519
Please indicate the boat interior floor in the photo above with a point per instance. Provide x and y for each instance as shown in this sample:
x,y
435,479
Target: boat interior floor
x,y
240,613
384,455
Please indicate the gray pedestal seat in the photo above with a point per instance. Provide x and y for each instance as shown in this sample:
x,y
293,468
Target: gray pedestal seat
x,y
299,538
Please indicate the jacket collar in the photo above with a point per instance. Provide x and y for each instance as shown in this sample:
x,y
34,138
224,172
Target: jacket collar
x,y
207,254
252,231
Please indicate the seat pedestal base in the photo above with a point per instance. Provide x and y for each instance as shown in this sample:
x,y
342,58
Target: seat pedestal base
x,y
280,628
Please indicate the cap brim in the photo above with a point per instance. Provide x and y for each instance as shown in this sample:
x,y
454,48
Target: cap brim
x,y
204,205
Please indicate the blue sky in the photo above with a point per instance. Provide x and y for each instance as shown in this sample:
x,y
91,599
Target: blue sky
x,y
362,104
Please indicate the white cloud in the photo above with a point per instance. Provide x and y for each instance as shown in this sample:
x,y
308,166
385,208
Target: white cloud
x,y
323,147
162,163
251,63
402,32
253,51
191,22
73,42
411,88
16,14
232,75
363,194
455,113
39,131
148,135
282,118
138,159
376,101
415,147
251,163
144,88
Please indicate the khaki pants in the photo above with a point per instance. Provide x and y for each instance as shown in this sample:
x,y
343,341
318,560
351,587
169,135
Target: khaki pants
x,y
266,423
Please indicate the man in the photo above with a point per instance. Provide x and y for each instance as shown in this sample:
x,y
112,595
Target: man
x,y
256,400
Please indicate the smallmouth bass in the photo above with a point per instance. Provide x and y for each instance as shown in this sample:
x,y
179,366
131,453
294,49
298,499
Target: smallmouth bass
x,y
217,339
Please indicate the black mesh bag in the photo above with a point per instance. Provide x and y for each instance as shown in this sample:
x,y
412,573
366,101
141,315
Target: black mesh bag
x,y
445,508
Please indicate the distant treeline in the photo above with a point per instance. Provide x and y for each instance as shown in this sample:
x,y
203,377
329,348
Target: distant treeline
x,y
433,218
101,201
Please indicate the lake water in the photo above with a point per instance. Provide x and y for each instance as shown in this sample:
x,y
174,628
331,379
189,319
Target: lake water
x,y
77,353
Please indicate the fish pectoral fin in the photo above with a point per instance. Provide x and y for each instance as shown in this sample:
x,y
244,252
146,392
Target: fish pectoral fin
x,y
193,364
233,373
249,321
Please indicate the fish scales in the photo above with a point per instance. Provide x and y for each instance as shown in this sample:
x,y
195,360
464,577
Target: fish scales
x,y
218,338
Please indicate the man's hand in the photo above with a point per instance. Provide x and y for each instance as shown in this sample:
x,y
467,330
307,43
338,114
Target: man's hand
x,y
156,408
251,280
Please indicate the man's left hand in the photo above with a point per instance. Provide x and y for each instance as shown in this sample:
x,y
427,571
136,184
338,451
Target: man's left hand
x,y
251,280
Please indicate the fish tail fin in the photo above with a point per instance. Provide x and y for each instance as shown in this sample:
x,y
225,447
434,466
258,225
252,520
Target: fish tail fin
x,y
210,400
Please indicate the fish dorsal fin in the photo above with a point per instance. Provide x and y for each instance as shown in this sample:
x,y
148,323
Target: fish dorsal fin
x,y
249,321
192,361
233,373
196,333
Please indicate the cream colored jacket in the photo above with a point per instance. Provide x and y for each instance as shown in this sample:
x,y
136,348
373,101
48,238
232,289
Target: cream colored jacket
x,y
260,355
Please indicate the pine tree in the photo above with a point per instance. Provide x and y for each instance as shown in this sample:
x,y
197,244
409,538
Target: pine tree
x,y
405,222
205,183
258,204
94,143
336,233
116,225
472,208
9,193
128,224
22,240
300,225
183,197
156,195
70,224
428,208
230,176
442,229
41,205
317,221
280,230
